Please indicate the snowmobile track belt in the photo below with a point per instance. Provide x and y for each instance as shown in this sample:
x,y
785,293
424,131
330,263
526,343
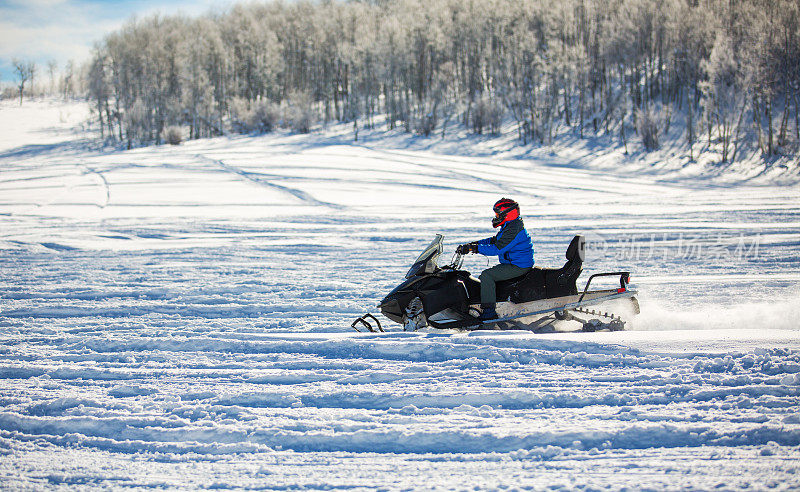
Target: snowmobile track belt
x,y
612,316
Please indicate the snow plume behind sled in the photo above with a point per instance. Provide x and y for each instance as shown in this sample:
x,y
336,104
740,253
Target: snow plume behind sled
x,y
782,315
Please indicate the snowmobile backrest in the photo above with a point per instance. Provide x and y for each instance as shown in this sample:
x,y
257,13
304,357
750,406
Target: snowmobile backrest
x,y
576,248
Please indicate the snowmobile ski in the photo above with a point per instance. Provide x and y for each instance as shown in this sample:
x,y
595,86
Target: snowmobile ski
x,y
364,322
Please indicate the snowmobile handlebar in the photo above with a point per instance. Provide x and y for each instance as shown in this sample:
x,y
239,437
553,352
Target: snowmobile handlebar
x,y
624,280
458,261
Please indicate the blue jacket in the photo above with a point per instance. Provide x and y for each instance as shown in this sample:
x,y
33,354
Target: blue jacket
x,y
511,245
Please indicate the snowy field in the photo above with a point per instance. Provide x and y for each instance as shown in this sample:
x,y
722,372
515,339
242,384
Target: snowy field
x,y
178,316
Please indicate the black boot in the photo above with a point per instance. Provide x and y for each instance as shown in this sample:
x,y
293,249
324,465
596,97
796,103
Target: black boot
x,y
488,312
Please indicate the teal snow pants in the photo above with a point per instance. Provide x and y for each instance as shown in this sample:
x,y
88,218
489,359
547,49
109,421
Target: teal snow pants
x,y
491,276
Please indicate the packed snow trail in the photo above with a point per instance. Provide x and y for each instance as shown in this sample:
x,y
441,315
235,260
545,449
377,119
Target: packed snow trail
x,y
179,317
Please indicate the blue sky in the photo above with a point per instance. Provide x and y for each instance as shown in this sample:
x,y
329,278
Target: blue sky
x,y
63,30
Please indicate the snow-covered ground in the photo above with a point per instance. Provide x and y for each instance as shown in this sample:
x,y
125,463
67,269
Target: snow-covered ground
x,y
179,317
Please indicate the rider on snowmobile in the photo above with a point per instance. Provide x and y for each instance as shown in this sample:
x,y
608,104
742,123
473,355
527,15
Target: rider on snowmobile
x,y
512,245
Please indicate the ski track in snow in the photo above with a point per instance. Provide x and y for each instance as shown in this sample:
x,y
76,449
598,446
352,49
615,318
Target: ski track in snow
x,y
179,317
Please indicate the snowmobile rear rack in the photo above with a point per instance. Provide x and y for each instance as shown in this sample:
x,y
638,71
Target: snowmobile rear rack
x,y
362,320
624,280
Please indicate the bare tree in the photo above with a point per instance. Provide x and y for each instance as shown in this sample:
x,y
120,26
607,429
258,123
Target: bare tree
x,y
25,71
67,82
52,69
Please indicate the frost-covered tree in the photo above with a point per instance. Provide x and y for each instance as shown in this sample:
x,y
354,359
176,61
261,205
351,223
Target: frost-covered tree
x,y
551,66
724,92
67,82
99,92
52,69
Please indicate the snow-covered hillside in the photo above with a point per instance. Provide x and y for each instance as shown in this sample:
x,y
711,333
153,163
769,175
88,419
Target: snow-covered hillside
x,y
179,316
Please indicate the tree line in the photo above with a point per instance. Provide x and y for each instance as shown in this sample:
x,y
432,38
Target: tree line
x,y
725,71
34,80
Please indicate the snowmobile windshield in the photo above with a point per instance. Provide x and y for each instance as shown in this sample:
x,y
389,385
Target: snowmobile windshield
x,y
426,262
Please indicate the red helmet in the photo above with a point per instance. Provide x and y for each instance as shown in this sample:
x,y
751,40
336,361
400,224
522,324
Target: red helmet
x,y
506,210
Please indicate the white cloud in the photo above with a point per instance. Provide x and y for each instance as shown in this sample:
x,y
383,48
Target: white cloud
x,y
57,42
46,29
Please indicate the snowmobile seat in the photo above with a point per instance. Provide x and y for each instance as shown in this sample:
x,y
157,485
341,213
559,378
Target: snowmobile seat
x,y
530,286
576,249
544,283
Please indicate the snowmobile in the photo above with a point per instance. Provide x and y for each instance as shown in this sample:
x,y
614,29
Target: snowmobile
x,y
448,297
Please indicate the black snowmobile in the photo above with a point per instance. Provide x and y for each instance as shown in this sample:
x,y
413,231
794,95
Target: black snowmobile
x,y
448,297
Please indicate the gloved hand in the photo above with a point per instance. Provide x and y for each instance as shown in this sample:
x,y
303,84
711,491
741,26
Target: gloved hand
x,y
468,248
